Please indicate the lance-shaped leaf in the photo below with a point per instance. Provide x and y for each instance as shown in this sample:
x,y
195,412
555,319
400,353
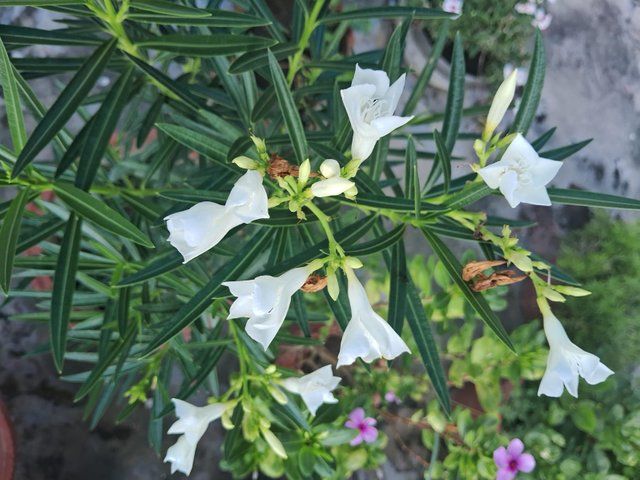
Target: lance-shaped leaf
x,y
17,35
563,152
9,233
161,264
11,95
289,111
566,196
219,18
101,129
386,12
532,90
231,270
381,242
443,158
66,104
96,211
399,275
206,45
64,282
202,144
39,3
476,300
260,58
419,324
167,7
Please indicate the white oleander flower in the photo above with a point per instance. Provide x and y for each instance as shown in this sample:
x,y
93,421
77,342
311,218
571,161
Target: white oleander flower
x,y
367,335
500,104
192,423
314,388
333,184
203,226
370,103
567,362
521,174
265,302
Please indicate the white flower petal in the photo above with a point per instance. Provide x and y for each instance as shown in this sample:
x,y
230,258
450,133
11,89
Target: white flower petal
x,y
520,151
314,388
181,455
545,170
378,78
362,145
330,168
509,186
193,421
533,195
492,174
248,199
353,99
331,186
392,96
386,125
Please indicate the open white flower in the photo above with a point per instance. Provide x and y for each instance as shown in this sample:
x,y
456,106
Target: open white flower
x,y
521,174
265,302
370,103
333,184
367,335
192,423
567,362
203,226
314,388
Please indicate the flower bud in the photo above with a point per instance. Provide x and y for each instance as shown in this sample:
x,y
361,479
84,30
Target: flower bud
x,y
353,262
572,291
245,162
500,104
330,168
333,287
303,172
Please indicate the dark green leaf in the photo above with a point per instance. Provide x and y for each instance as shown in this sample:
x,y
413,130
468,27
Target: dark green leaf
x,y
566,151
391,203
582,198
532,90
443,159
203,144
220,18
11,97
16,35
378,244
259,58
398,292
542,140
206,45
66,104
169,8
161,264
386,12
9,233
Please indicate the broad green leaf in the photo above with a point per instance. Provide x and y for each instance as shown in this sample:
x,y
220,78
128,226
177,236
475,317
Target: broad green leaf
x,y
289,111
565,196
231,270
443,158
398,291
476,300
260,58
64,281
101,129
428,69
566,151
202,144
419,324
206,45
95,210
169,8
219,18
381,242
16,35
386,12
9,233
453,111
66,104
532,90
11,97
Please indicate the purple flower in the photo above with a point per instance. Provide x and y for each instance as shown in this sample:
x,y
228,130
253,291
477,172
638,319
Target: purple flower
x,y
512,460
391,397
365,426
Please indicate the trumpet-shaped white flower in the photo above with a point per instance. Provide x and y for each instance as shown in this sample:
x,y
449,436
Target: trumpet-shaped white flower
x,y
265,302
567,362
367,335
192,423
314,388
521,174
203,226
333,184
370,103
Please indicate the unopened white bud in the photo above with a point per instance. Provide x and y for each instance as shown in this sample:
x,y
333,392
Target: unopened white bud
x,y
501,101
330,168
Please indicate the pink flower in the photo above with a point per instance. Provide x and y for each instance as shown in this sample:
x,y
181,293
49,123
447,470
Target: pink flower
x,y
391,397
365,426
452,6
512,460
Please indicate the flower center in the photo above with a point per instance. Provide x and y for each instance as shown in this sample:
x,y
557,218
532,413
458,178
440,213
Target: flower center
x,y
362,427
513,465
521,167
373,108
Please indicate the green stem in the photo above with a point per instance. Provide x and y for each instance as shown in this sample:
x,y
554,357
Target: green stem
x,y
334,246
309,27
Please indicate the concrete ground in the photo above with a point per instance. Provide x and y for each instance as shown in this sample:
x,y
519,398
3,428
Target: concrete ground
x,y
591,90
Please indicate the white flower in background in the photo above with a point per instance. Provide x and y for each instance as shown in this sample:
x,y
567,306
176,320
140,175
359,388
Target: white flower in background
x,y
542,19
521,76
192,423
452,6
333,184
500,104
526,8
521,174
265,302
314,388
567,362
203,226
367,335
370,103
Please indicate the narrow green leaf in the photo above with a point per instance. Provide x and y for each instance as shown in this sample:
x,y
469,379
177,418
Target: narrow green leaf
x,y
95,210
475,299
398,291
17,35
410,169
444,159
74,150
264,104
274,27
532,90
101,129
167,262
289,111
219,18
542,140
566,151
391,203
428,69
469,194
202,144
260,58
206,45
15,119
386,12
169,8
66,104
9,233
565,196
38,3
37,234
64,282
124,299
381,242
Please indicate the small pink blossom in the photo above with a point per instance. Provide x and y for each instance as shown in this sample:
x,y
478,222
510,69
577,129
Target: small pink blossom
x,y
542,20
365,425
526,8
452,6
391,397
512,460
